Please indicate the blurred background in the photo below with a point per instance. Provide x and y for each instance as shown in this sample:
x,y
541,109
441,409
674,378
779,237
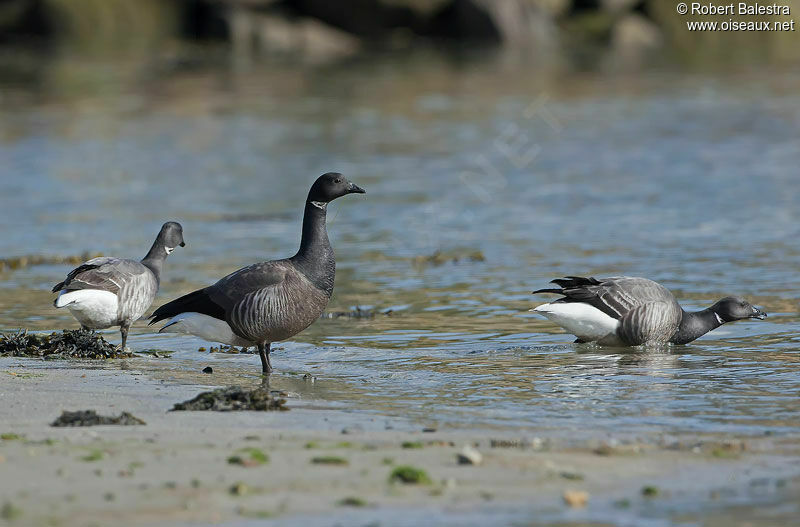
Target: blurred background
x,y
83,47
501,143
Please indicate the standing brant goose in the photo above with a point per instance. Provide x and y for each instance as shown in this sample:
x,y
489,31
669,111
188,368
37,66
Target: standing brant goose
x,y
269,301
630,311
106,291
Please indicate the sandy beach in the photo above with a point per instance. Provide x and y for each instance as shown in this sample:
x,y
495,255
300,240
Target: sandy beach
x,y
329,466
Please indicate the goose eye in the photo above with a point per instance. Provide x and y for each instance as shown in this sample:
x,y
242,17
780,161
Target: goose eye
x,y
337,180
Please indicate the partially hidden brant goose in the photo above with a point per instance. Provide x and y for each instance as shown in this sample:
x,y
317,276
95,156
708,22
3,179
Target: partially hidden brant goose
x,y
269,301
107,291
630,311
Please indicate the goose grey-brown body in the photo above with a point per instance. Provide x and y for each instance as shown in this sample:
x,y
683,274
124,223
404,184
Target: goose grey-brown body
x,y
634,311
104,292
264,302
268,301
134,284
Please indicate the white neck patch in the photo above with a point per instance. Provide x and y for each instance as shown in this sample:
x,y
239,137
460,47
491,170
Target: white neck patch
x,y
320,204
719,318
169,250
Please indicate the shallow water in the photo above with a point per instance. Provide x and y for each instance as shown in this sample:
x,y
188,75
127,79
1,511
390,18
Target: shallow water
x,y
689,179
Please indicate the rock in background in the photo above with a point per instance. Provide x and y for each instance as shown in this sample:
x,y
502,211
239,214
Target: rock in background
x,y
321,29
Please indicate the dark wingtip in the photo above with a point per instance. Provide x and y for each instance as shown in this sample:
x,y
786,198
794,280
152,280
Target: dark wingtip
x,y
547,290
153,318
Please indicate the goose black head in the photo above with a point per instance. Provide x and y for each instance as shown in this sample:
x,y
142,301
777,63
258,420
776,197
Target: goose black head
x,y
330,186
171,236
732,308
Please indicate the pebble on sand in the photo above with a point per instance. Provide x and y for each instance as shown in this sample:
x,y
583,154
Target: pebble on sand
x,y
576,498
469,456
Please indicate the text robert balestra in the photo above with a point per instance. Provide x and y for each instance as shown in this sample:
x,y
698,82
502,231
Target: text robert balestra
x,y
741,8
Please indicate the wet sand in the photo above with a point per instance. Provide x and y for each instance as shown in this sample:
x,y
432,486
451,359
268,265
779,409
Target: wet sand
x,y
176,468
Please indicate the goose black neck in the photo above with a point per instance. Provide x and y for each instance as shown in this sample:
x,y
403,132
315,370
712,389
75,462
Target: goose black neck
x,y
154,259
315,258
694,325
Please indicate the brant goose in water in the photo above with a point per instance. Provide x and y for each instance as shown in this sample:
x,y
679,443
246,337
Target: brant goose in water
x,y
268,301
107,291
629,311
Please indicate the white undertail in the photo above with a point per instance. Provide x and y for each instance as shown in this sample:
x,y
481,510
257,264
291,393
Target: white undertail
x,y
93,308
205,327
582,320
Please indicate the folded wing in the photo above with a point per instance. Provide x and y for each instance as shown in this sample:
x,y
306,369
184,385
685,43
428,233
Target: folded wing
x,y
104,273
224,299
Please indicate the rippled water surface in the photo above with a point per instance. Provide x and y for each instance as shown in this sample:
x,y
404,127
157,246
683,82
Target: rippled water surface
x,y
515,177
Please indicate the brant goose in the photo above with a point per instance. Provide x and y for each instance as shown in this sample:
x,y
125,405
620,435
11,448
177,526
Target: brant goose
x,y
268,301
107,291
629,311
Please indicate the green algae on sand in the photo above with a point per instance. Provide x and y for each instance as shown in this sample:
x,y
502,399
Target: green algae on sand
x,y
409,475
329,460
249,457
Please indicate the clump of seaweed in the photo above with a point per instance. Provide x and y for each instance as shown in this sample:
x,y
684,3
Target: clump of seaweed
x,y
441,257
650,491
329,460
357,312
235,398
21,262
76,344
222,348
352,501
90,418
535,443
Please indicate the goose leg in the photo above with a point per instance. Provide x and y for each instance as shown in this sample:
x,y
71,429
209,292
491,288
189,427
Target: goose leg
x,y
124,331
263,352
